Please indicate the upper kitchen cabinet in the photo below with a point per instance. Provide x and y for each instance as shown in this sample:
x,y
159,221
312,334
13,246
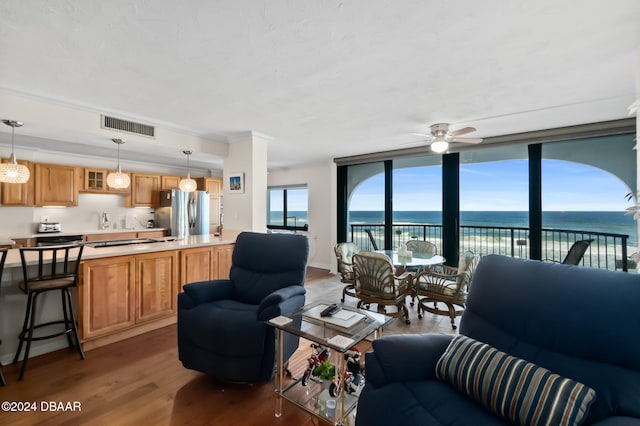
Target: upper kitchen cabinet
x,y
19,194
211,185
56,185
170,182
95,180
145,190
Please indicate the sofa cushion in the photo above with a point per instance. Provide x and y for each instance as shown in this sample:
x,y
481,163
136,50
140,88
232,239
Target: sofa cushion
x,y
513,388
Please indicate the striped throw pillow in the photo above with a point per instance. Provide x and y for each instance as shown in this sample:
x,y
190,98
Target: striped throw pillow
x,y
513,388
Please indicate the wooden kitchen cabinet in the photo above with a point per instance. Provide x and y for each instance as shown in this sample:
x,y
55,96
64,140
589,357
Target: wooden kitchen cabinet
x,y
124,296
156,283
23,242
56,185
212,185
19,194
223,255
170,182
145,190
106,296
111,236
154,233
197,264
95,180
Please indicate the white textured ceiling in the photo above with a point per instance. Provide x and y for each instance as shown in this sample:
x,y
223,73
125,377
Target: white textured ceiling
x,y
323,78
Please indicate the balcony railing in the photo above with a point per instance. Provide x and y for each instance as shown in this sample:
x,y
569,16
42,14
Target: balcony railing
x,y
607,251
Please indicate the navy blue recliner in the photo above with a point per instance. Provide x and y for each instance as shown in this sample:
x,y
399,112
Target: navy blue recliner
x,y
221,323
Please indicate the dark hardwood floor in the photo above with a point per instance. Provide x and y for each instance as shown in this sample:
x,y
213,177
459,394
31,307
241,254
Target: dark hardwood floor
x,y
140,381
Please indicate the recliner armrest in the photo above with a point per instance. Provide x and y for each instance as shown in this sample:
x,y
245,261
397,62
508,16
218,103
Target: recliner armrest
x,y
405,357
281,302
208,291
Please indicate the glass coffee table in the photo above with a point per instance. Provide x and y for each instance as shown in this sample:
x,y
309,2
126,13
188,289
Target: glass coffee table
x,y
339,334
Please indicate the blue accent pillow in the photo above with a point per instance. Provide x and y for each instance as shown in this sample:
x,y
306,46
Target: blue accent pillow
x,y
513,388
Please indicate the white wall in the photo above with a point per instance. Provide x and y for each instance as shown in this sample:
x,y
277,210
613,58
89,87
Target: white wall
x,y
321,183
246,211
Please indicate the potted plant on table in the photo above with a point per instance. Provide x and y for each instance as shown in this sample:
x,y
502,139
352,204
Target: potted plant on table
x,y
325,372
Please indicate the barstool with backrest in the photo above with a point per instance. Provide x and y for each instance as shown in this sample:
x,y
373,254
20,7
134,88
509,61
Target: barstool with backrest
x,y
49,269
3,258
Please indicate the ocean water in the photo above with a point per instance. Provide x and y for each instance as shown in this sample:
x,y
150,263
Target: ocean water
x,y
609,222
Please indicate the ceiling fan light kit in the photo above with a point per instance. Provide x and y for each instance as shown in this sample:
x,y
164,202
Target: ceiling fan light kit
x,y
439,146
441,136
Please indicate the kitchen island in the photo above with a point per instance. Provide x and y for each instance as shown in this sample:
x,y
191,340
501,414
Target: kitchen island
x,y
123,290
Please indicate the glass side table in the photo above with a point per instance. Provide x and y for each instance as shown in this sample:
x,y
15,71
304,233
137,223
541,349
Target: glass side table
x,y
339,337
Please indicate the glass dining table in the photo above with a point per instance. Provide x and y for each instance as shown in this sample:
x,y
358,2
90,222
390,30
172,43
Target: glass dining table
x,y
401,263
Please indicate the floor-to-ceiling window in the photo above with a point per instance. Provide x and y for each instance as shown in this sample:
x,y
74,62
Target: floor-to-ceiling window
x,y
509,199
494,203
584,194
366,204
417,200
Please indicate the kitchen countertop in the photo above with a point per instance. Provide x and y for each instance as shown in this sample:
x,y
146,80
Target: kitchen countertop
x,y
227,237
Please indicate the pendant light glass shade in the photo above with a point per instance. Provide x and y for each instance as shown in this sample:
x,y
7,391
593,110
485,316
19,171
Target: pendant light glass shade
x,y
117,179
439,146
12,172
187,184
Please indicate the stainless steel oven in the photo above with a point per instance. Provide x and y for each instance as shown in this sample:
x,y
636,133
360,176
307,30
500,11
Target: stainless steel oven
x,y
58,240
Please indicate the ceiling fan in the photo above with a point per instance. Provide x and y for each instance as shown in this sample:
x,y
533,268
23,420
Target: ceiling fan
x,y
441,136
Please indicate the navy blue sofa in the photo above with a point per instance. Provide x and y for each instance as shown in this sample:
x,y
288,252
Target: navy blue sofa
x,y
580,323
221,323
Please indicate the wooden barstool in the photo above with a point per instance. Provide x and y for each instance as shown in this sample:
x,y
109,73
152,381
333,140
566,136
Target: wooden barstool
x,y
56,268
3,257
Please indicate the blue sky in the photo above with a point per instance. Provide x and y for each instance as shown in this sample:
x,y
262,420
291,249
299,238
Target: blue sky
x,y
499,186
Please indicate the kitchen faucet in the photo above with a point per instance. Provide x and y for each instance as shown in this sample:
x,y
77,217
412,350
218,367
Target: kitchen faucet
x,y
104,220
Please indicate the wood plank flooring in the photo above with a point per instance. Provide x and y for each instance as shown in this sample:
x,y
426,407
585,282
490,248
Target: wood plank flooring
x,y
140,381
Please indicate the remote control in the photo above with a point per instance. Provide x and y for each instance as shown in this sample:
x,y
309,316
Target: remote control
x,y
330,310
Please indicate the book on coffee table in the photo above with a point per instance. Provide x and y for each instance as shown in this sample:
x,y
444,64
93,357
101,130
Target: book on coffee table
x,y
344,319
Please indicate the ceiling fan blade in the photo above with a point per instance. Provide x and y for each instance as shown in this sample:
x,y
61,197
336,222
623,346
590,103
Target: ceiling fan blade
x,y
462,131
467,140
422,134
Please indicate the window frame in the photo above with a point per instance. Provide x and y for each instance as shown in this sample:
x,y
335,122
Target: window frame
x,y
285,209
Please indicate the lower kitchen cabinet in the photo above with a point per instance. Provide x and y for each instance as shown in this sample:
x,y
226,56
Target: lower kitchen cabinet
x,y
196,264
205,263
123,296
156,278
224,254
106,303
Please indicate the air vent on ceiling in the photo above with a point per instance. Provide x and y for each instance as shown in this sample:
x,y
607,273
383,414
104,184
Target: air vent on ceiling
x,y
127,126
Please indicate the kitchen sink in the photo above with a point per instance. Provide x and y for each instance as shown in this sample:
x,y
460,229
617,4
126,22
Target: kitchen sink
x,y
129,242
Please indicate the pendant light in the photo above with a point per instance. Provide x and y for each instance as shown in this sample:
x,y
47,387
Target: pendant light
x,y
188,184
118,179
12,172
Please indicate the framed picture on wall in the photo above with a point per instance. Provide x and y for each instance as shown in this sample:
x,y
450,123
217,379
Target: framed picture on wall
x,y
236,182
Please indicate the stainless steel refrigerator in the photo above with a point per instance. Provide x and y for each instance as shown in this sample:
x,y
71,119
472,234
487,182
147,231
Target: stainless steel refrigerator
x,y
184,213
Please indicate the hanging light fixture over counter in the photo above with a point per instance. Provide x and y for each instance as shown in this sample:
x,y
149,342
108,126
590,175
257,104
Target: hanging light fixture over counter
x,y
188,184
118,179
12,172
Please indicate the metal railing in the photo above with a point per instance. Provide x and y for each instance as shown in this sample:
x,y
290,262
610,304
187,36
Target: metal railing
x,y
607,251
